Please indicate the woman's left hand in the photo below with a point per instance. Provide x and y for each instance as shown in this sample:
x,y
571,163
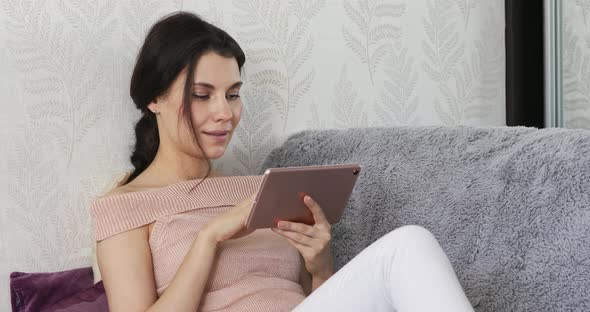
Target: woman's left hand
x,y
312,241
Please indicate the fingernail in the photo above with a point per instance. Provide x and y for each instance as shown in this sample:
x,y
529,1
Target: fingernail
x,y
306,198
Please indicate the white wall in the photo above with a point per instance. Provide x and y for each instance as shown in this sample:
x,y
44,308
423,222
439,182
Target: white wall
x,y
576,63
67,118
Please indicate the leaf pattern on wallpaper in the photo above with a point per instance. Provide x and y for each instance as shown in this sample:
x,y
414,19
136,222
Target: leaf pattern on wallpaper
x,y
349,111
576,85
214,16
137,17
316,122
52,248
57,59
443,50
254,133
371,32
476,82
465,86
284,43
466,6
398,103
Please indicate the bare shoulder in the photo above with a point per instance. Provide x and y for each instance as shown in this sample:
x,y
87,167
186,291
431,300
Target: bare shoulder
x,y
117,186
117,191
126,188
141,183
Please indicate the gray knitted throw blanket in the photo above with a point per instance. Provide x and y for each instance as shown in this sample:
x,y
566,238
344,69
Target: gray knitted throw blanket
x,y
510,206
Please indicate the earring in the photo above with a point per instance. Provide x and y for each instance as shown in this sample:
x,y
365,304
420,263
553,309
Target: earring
x,y
156,112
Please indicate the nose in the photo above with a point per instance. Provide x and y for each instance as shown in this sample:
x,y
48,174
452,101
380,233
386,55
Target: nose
x,y
221,109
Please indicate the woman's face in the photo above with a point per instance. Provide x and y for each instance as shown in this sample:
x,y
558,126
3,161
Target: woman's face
x,y
216,107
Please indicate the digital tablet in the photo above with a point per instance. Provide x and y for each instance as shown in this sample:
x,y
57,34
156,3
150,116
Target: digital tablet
x,y
280,196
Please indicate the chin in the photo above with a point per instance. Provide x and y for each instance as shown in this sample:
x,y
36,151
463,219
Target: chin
x,y
215,152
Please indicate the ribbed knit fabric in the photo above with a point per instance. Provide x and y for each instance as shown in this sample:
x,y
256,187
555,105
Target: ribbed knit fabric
x,y
258,272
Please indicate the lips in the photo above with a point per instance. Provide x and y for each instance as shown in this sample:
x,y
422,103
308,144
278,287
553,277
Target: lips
x,y
218,136
217,132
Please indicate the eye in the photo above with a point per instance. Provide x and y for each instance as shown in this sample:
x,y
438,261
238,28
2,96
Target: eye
x,y
233,97
201,97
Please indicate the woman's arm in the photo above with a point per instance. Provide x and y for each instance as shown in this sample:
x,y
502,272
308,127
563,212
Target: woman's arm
x,y
126,267
125,263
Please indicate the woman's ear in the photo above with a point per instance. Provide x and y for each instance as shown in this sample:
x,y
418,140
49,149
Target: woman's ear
x,y
153,106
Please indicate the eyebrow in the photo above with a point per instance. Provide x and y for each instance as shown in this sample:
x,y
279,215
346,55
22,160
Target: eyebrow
x,y
210,86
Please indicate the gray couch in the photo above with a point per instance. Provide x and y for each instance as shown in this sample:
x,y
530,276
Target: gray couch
x,y
510,206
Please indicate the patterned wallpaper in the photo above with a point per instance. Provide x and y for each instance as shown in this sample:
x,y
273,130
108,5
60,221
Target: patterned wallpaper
x,y
68,120
576,63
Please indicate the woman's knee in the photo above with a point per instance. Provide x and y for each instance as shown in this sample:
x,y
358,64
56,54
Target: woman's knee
x,y
414,233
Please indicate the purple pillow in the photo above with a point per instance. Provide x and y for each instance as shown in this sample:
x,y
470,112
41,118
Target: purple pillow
x,y
91,299
56,291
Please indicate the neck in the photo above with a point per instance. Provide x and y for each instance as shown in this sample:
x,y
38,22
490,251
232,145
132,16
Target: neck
x,y
171,167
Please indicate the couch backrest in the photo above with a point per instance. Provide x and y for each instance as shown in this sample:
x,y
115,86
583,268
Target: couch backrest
x,y
510,206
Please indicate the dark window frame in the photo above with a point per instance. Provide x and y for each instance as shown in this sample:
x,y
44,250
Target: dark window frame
x,y
525,90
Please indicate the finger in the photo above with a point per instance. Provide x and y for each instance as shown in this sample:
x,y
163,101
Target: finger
x,y
316,210
250,205
295,237
303,249
297,227
318,237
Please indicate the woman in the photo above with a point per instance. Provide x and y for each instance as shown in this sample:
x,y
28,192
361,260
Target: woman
x,y
172,237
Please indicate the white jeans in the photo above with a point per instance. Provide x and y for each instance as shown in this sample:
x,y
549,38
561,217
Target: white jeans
x,y
405,270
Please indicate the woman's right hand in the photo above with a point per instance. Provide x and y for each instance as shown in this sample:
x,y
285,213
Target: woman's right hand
x,y
232,223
